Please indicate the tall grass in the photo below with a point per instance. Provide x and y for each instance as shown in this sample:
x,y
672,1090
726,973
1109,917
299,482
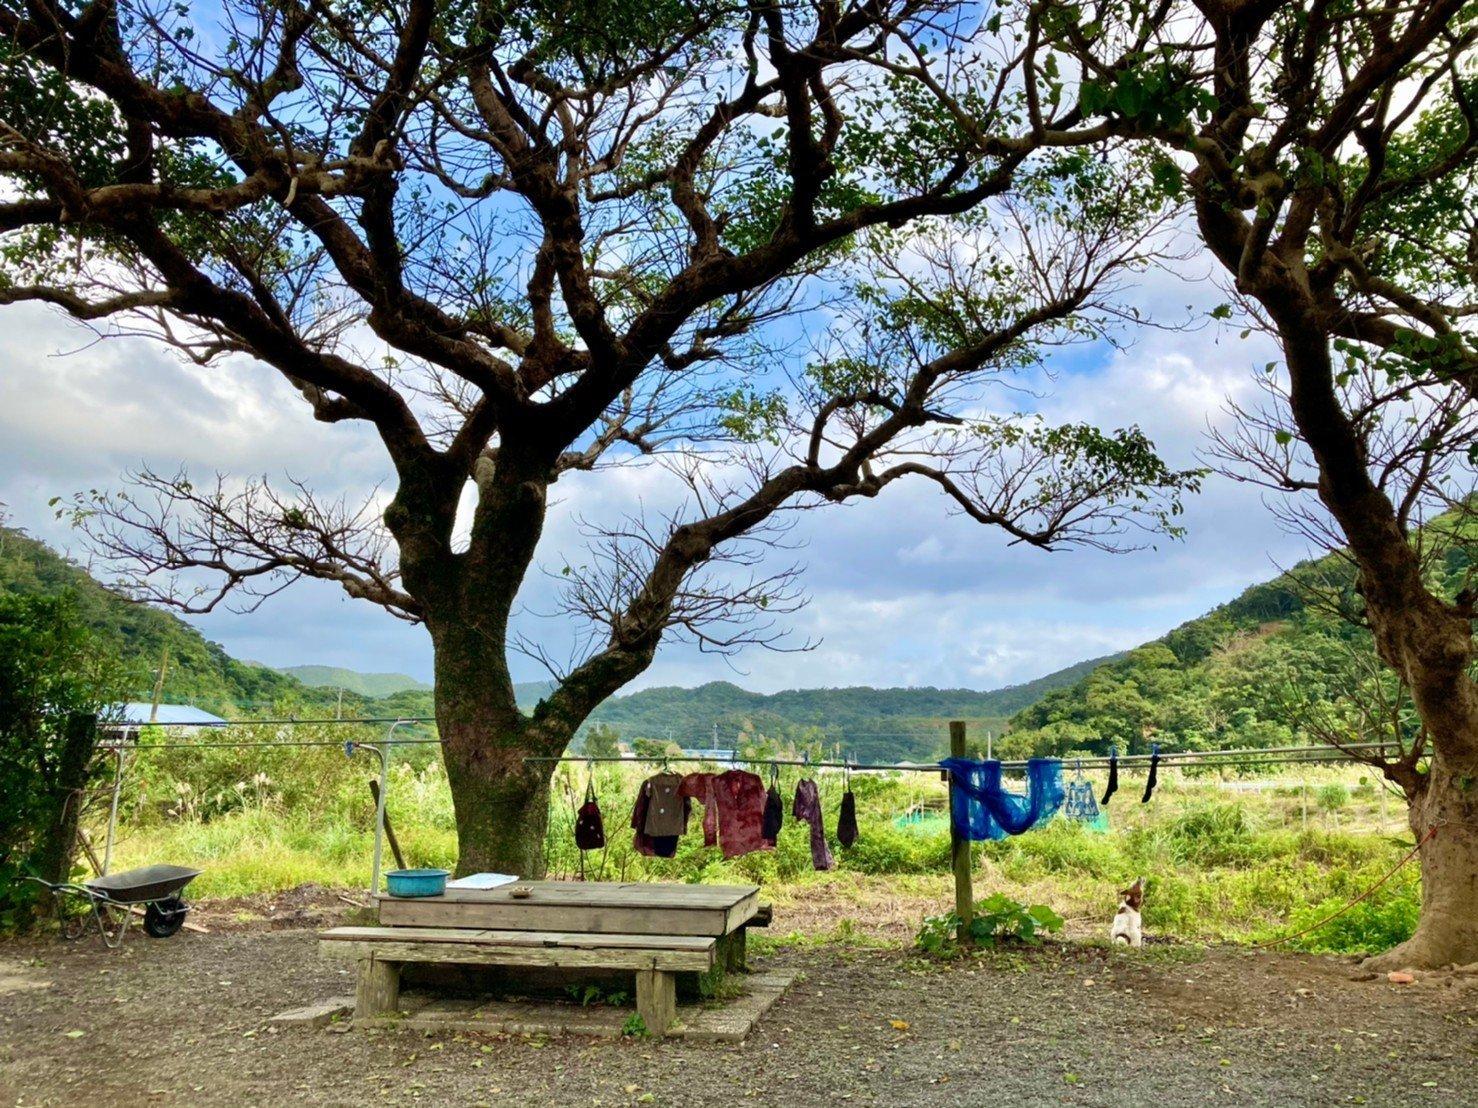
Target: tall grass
x,y
1221,866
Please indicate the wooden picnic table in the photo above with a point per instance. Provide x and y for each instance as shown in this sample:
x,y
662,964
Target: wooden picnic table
x,y
655,930
602,907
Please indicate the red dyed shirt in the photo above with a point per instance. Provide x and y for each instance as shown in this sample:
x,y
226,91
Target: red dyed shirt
x,y
733,810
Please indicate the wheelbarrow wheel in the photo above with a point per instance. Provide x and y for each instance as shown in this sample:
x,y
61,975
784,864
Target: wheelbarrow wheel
x,y
162,918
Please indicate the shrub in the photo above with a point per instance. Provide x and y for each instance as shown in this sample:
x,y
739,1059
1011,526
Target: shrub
x,y
1333,796
997,919
1378,923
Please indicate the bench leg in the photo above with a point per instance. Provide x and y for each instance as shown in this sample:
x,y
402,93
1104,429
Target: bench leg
x,y
656,999
378,992
733,949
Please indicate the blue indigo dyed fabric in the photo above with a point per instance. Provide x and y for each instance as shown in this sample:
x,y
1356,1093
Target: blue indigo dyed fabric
x,y
982,809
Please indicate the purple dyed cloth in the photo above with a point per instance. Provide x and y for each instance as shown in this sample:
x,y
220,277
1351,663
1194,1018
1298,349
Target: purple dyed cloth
x,y
807,807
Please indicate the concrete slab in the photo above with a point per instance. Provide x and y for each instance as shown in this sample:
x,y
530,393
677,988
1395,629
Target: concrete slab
x,y
315,1015
721,1021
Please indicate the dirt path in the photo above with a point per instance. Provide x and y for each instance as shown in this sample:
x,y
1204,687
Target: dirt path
x,y
184,1021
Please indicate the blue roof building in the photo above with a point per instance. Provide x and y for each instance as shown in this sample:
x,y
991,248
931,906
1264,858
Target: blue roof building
x,y
137,713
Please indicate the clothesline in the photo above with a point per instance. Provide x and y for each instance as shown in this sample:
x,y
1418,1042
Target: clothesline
x,y
1284,755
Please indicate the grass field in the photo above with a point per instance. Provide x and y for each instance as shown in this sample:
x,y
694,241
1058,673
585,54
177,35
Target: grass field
x,y
1232,859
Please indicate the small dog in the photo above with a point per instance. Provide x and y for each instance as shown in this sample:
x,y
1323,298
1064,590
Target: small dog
x,y
1127,928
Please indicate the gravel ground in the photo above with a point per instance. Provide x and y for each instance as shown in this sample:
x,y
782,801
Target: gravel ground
x,y
184,1021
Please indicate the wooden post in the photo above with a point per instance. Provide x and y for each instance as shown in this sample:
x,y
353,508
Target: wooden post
x,y
959,847
656,1000
378,990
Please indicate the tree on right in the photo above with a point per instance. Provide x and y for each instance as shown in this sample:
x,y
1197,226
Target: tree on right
x,y
1328,154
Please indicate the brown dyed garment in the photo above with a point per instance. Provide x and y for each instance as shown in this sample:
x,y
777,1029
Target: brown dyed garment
x,y
733,810
639,822
667,808
740,799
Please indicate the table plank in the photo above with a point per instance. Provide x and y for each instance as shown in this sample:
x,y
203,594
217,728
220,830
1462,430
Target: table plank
x,y
581,939
601,894
556,957
648,908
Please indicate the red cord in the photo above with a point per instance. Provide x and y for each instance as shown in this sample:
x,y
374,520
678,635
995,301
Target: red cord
x,y
1297,934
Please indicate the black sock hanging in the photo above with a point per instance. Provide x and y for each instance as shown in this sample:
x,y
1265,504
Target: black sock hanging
x,y
1113,785
774,814
847,817
1154,778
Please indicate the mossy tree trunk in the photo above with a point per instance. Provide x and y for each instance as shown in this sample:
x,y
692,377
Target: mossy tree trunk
x,y
1426,639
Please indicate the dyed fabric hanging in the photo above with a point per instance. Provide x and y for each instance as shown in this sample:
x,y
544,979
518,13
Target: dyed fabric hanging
x,y
1079,802
1113,781
981,808
847,816
847,819
807,807
733,810
774,809
660,815
1154,778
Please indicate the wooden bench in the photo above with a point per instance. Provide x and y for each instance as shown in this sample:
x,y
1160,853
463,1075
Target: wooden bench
x,y
655,959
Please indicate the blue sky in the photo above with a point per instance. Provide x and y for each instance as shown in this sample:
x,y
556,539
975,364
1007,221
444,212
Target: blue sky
x,y
901,593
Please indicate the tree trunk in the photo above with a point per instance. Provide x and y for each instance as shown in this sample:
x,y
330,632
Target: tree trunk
x,y
501,800
1447,932
502,808
58,849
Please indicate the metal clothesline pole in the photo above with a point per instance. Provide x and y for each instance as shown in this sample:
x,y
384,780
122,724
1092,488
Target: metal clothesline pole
x,y
268,722
245,743
382,749
1288,755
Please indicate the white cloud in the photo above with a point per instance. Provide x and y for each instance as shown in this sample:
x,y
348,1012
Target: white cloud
x,y
903,593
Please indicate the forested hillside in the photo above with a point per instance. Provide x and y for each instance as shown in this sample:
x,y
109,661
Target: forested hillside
x,y
365,684
1243,675
868,723
199,671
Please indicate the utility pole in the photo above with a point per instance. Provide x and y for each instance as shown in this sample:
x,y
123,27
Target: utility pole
x,y
159,685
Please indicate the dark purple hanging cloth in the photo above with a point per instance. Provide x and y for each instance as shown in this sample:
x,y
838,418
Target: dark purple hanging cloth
x,y
807,807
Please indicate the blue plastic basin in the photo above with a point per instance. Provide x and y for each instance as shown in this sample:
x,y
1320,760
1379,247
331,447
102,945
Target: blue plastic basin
x,y
416,882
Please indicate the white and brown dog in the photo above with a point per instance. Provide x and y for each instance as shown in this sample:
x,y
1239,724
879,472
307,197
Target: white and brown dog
x,y
1127,928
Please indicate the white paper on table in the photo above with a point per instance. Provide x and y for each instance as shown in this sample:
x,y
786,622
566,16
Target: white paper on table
x,y
482,881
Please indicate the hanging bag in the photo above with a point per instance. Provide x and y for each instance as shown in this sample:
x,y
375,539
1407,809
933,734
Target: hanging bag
x,y
590,831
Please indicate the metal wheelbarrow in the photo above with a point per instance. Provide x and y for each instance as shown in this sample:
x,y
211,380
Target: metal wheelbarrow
x,y
156,888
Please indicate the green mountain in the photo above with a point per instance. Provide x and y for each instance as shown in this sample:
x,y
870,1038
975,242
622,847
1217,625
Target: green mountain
x,y
869,724
198,672
351,680
1250,673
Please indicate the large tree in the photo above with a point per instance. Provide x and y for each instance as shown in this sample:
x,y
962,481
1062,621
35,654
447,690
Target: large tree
x,y
523,241
1328,152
